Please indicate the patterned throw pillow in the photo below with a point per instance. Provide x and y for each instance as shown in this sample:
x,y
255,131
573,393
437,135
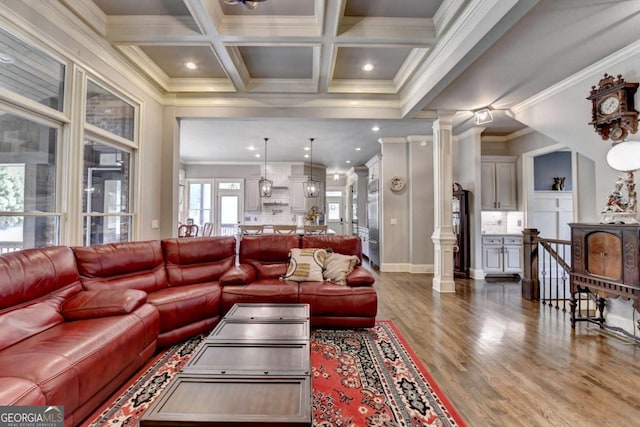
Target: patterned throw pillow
x,y
338,267
306,265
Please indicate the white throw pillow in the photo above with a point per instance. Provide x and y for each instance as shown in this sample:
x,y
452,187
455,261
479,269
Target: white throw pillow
x,y
338,267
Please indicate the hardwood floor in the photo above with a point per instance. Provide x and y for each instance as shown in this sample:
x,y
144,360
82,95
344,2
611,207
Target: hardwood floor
x,y
505,361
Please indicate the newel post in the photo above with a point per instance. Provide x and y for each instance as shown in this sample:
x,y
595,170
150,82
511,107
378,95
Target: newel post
x,y
530,283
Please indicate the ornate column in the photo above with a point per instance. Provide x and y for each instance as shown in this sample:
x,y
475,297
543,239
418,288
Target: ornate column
x,y
443,237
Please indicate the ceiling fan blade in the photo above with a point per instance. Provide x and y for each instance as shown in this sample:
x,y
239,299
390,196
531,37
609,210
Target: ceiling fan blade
x,y
232,2
251,4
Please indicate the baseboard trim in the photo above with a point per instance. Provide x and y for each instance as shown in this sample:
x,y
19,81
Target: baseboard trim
x,y
404,267
421,268
476,274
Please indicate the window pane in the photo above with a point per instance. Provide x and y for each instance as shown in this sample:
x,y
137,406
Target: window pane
x,y
334,211
229,210
27,165
108,112
229,186
106,229
31,73
22,232
199,202
106,178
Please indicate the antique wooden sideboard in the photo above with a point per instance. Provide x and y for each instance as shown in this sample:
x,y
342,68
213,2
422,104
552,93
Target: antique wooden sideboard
x,y
604,264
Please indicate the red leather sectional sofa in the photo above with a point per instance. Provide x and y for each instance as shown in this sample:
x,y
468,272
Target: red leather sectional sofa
x,y
76,323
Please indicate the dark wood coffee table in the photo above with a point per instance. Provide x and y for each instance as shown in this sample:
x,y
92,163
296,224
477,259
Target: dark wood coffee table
x,y
253,369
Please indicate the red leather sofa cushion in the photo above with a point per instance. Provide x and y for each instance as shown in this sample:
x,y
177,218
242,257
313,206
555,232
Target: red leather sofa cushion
x,y
204,259
35,283
269,255
102,303
19,391
127,265
191,303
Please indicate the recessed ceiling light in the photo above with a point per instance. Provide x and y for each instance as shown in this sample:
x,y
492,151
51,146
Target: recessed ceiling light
x,y
375,128
306,148
358,148
190,65
306,156
367,67
257,155
6,58
251,148
348,161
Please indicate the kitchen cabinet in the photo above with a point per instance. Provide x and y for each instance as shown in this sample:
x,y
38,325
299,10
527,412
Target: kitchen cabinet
x,y
501,254
363,233
499,186
298,201
251,195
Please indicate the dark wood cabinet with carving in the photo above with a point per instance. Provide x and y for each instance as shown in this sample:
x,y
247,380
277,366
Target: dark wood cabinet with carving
x,y
460,225
604,265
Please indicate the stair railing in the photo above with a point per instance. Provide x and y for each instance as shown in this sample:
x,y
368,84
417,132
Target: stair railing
x,y
547,263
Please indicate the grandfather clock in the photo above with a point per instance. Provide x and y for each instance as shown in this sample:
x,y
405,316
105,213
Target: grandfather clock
x,y
460,225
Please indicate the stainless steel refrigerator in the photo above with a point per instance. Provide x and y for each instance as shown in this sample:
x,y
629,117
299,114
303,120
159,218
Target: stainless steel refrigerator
x,y
372,221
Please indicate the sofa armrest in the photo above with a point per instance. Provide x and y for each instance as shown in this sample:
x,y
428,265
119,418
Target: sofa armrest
x,y
360,276
103,303
242,274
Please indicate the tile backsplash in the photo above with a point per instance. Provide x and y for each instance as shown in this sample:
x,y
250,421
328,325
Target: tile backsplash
x,y
502,222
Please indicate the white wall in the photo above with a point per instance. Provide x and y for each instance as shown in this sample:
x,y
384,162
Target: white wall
x,y
562,113
394,220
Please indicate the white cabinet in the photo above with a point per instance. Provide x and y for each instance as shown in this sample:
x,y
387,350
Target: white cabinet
x,y
298,201
499,186
502,254
251,195
363,233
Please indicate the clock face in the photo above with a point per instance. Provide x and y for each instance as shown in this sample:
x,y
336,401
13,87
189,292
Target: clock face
x,y
397,183
609,105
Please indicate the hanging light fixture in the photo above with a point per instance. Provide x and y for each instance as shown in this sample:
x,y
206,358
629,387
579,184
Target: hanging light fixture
x,y
311,188
250,4
265,184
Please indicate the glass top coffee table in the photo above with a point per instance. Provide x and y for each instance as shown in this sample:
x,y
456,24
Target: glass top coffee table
x,y
253,369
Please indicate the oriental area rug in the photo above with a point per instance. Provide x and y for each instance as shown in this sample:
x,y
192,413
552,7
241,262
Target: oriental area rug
x,y
359,378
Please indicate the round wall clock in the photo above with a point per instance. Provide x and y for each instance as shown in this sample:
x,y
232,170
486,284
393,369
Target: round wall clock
x,y
397,183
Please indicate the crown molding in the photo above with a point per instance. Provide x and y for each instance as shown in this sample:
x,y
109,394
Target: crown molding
x,y
577,78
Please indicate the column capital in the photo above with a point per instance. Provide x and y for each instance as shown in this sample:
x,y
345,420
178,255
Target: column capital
x,y
445,117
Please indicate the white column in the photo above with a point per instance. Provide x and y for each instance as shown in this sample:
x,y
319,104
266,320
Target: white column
x,y
443,237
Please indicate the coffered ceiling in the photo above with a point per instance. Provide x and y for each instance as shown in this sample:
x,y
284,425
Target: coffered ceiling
x,y
303,61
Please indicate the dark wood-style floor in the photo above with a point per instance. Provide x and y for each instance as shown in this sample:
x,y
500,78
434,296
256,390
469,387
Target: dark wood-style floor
x,y
505,361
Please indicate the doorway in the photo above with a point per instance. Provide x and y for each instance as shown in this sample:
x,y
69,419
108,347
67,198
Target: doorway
x,y
229,207
335,211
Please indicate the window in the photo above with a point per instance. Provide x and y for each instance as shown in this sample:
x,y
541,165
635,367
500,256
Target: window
x,y
31,73
333,211
28,172
199,202
106,198
107,111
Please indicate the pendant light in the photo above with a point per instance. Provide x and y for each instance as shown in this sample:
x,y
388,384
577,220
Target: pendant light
x,y
265,185
311,188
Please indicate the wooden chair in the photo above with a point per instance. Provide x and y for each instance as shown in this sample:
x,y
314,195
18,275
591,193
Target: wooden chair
x,y
251,229
315,229
188,230
284,229
207,229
